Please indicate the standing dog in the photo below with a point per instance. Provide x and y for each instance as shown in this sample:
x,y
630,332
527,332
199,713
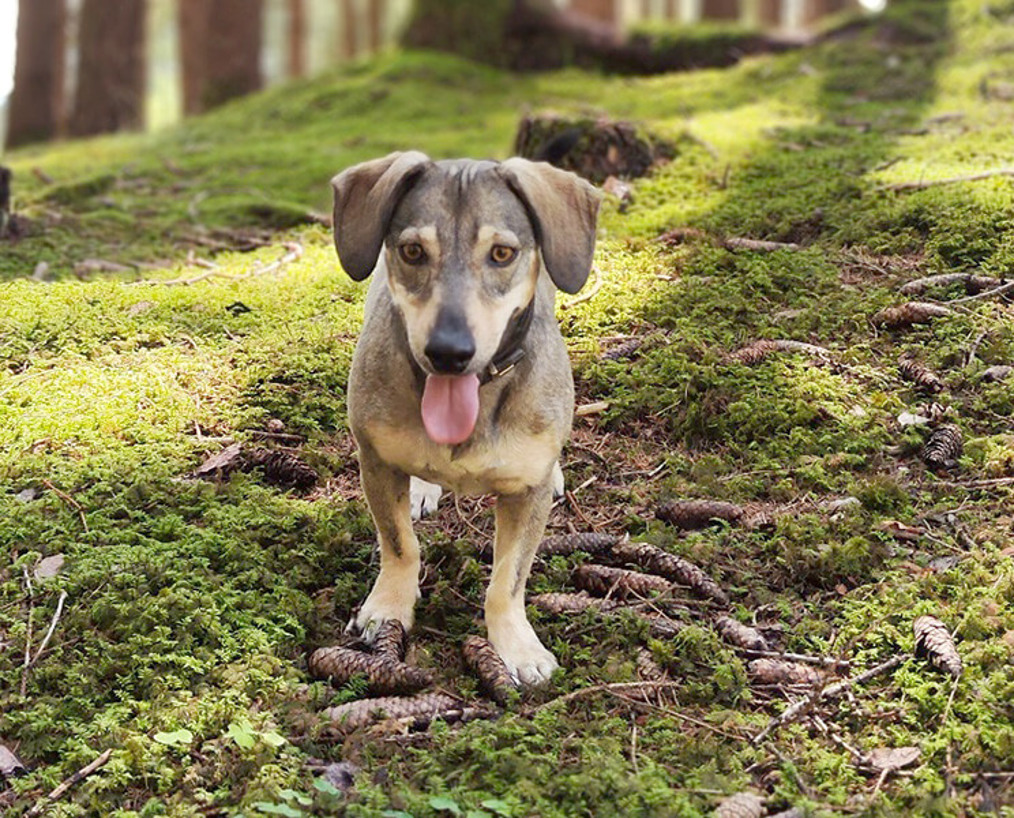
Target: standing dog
x,y
460,377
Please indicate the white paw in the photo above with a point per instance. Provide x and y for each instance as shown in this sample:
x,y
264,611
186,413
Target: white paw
x,y
557,478
527,660
423,497
390,599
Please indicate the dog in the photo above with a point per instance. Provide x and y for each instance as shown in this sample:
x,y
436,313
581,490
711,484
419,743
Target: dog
x,y
460,379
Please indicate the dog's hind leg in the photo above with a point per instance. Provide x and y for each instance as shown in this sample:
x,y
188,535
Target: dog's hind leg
x,y
424,497
396,589
520,524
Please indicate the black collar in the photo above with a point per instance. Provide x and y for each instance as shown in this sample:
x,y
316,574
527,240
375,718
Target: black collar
x,y
509,353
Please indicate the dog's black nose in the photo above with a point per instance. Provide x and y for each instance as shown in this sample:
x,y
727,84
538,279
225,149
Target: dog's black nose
x,y
450,346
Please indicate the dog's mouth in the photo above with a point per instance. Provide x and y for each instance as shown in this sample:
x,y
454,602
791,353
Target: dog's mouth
x,y
450,407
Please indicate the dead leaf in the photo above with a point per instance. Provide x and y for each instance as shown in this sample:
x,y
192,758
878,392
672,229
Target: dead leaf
x,y
49,566
892,758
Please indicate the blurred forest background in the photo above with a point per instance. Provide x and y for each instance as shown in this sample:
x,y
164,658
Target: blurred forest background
x,y
93,66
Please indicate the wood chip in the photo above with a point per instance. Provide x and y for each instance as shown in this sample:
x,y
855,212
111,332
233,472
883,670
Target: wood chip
x,y
892,758
496,679
604,580
742,636
222,463
690,514
49,566
10,764
912,312
741,805
780,672
412,712
382,673
933,641
995,374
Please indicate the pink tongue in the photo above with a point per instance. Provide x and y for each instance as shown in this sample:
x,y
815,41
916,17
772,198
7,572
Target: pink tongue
x,y
450,407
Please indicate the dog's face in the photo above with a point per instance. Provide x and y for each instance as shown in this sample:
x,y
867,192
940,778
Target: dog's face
x,y
462,260
463,243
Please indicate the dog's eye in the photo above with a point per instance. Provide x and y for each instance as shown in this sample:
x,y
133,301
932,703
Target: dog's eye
x,y
412,253
502,255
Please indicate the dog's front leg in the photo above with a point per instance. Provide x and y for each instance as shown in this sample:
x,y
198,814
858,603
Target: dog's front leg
x,y
520,524
396,589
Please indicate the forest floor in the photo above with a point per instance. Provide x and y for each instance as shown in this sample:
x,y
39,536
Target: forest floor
x,y
186,295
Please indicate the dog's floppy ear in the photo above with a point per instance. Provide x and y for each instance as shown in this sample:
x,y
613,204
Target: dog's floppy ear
x,y
563,208
364,200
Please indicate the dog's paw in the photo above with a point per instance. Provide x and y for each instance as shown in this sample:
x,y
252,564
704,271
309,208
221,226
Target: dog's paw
x,y
423,497
387,600
527,660
557,481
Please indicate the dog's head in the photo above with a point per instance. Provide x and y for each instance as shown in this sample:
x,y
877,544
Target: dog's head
x,y
463,243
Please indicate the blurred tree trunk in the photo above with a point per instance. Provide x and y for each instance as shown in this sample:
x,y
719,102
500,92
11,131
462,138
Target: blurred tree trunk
x,y
220,50
377,16
297,38
350,29
111,71
36,106
720,10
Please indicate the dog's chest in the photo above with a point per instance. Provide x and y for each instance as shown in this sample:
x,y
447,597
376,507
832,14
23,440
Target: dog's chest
x,y
511,464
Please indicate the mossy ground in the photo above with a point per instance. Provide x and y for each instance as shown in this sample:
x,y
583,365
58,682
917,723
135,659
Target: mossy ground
x,y
192,604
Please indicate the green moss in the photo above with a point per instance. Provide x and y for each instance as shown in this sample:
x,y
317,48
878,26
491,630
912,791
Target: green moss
x,y
192,604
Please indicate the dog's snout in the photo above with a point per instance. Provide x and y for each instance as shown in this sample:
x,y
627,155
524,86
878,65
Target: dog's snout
x,y
451,345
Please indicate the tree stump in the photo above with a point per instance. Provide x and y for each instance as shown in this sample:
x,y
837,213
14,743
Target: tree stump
x,y
593,148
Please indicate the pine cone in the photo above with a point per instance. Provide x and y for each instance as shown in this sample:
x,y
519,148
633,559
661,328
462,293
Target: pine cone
x,y
943,448
741,805
601,579
482,657
659,626
690,514
736,633
911,312
647,668
933,642
759,350
563,545
559,604
391,641
654,559
780,672
421,710
281,467
625,349
383,674
923,378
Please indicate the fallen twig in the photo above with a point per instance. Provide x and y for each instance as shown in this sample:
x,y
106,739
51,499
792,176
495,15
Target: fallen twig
x,y
1001,290
830,691
28,635
682,234
66,784
977,283
293,252
52,627
69,501
950,180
